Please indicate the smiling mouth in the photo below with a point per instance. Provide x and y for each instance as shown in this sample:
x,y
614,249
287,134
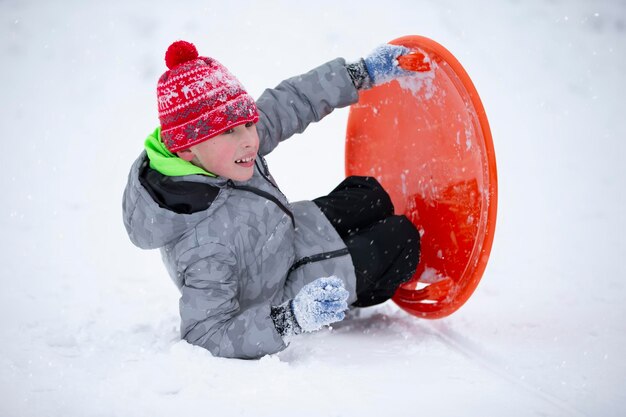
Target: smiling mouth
x,y
245,160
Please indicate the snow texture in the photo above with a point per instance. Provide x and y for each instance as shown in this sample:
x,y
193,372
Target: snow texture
x,y
89,323
421,80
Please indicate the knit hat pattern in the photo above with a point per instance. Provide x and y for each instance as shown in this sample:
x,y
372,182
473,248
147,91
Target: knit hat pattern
x,y
198,99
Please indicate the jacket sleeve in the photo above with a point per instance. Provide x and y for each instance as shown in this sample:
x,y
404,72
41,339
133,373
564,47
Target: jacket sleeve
x,y
210,312
296,102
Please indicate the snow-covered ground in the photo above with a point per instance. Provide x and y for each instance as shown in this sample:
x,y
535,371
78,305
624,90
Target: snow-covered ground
x,y
89,323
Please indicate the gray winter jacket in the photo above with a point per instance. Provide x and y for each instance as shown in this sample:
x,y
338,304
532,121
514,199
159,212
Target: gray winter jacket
x,y
250,249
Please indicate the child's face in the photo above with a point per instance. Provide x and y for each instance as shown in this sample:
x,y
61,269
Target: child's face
x,y
229,155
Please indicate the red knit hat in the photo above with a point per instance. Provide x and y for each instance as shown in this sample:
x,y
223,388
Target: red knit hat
x,y
199,99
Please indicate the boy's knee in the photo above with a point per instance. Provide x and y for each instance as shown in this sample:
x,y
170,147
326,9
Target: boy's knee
x,y
408,227
408,236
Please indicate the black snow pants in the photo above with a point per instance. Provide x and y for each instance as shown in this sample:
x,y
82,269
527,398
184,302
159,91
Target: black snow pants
x,y
385,248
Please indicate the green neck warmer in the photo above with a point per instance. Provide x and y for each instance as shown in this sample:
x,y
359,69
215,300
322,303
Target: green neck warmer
x,y
162,160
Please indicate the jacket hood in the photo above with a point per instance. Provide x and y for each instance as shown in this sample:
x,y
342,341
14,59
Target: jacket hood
x,y
151,223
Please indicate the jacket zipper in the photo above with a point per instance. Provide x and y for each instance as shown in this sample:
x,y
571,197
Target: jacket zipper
x,y
316,258
265,173
307,259
266,195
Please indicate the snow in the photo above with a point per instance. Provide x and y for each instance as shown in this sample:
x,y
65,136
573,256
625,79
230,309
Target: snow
x,y
89,323
421,79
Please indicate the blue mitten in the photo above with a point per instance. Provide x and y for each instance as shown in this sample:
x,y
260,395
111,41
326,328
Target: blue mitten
x,y
319,303
382,64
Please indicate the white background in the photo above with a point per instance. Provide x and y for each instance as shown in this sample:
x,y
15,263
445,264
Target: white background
x,y
89,323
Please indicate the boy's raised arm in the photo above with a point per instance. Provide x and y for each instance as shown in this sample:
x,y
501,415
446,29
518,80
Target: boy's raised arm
x,y
296,102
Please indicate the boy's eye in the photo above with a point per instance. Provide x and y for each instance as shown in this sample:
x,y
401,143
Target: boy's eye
x,y
249,124
228,132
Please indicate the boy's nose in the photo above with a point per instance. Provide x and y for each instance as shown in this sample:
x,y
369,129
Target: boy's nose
x,y
250,138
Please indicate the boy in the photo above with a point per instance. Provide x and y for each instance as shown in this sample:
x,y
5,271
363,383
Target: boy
x,y
252,267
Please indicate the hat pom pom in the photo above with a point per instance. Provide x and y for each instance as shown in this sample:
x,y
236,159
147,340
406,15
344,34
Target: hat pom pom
x,y
180,52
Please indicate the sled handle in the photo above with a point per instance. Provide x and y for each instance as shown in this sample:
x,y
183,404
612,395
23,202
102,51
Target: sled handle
x,y
435,292
414,61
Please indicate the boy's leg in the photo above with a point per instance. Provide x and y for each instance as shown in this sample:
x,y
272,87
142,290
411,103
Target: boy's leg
x,y
355,204
384,256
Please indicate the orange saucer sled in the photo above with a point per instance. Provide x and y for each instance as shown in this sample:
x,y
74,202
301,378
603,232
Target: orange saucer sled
x,y
426,138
